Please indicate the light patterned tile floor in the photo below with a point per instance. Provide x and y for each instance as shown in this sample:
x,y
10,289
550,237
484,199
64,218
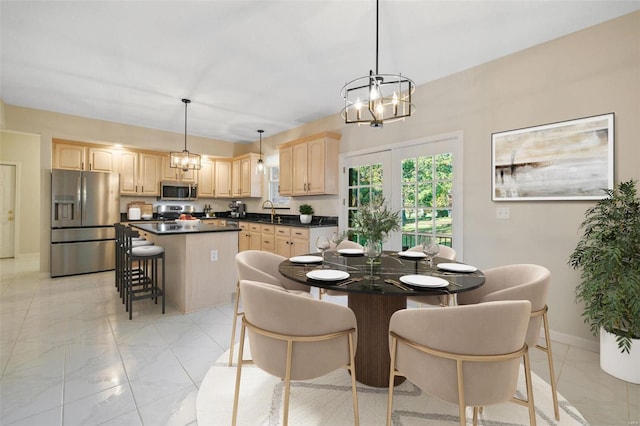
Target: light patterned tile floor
x,y
70,356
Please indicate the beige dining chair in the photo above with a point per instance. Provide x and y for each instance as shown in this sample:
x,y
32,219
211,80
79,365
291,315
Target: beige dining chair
x,y
262,266
469,355
295,338
521,282
447,253
346,244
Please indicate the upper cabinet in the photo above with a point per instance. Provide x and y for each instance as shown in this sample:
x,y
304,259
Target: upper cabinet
x,y
207,179
244,181
309,166
139,173
72,156
68,156
142,171
170,173
101,159
223,178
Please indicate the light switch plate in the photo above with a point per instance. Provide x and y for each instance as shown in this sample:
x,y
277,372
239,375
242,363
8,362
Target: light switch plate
x,y
503,213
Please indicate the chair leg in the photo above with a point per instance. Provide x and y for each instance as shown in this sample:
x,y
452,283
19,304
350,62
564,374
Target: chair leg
x,y
475,416
552,373
392,370
527,376
354,390
236,396
235,321
287,384
461,401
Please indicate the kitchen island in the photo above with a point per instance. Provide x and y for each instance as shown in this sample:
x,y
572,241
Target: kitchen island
x,y
200,262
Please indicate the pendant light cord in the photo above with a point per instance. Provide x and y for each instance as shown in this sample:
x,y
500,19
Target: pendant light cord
x,y
186,102
377,17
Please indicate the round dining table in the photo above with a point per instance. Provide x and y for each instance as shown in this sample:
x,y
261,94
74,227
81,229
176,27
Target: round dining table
x,y
375,290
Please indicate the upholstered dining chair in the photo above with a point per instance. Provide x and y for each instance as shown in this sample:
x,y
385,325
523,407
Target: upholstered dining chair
x,y
262,266
346,244
447,253
295,338
469,355
521,282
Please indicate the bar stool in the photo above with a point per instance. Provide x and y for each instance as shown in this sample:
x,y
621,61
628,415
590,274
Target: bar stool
x,y
142,282
121,271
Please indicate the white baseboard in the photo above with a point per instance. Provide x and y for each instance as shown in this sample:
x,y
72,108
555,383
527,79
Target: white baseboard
x,y
569,339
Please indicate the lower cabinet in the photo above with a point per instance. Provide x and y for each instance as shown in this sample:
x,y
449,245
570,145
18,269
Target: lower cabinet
x,y
292,241
287,241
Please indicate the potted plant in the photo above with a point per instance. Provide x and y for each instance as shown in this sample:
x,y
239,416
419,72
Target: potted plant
x,y
374,222
608,255
306,213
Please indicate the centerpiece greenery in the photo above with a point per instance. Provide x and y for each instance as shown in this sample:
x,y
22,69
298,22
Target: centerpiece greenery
x,y
609,256
374,221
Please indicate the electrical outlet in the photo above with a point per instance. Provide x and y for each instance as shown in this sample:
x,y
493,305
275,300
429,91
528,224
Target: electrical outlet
x,y
214,255
503,213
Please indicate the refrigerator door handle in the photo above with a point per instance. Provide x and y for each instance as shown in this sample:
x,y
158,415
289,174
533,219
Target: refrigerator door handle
x,y
83,206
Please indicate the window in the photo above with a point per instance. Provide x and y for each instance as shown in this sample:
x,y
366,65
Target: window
x,y
426,199
274,184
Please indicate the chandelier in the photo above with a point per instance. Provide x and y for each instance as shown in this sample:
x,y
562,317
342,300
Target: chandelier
x,y
260,164
184,160
377,98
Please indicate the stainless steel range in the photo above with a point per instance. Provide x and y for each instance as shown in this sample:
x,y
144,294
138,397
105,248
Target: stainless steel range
x,y
170,212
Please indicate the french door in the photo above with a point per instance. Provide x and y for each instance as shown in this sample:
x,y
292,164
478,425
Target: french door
x,y
422,179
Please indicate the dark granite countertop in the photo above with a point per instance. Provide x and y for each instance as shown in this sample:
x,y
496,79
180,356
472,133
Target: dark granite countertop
x,y
167,228
285,220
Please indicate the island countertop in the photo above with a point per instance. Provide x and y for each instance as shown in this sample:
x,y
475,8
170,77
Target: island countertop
x,y
164,228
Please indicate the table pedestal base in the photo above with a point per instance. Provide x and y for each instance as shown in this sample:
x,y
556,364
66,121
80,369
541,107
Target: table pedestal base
x,y
373,313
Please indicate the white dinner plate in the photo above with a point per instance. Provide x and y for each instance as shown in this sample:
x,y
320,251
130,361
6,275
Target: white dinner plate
x,y
327,275
351,251
306,259
416,254
457,267
424,281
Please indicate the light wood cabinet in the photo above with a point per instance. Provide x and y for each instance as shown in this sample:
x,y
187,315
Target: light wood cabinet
x,y
102,160
255,236
291,241
223,179
139,173
68,156
244,236
310,165
171,173
268,242
206,179
244,182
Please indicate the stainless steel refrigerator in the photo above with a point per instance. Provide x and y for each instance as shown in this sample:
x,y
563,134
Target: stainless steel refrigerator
x,y
84,207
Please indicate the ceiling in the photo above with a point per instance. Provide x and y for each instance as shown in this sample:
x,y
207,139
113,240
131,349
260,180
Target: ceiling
x,y
248,65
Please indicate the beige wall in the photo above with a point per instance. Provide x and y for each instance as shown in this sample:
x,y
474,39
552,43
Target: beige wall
x,y
23,151
590,72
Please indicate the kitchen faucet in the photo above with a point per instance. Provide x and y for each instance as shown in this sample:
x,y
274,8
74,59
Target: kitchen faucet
x,y
273,210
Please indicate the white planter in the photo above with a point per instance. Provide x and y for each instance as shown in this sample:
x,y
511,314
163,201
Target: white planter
x,y
306,218
624,366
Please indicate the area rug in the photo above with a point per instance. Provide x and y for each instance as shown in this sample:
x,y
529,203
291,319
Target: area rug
x,y
327,401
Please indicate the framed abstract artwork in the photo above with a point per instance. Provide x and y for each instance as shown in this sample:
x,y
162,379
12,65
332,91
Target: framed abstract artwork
x,y
568,160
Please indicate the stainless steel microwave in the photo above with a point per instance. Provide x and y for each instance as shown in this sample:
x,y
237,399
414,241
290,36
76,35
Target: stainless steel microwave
x,y
177,191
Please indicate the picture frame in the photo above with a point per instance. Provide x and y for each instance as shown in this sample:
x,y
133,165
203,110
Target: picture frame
x,y
567,160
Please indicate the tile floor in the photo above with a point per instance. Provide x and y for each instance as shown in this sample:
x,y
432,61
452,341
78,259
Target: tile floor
x,y
70,356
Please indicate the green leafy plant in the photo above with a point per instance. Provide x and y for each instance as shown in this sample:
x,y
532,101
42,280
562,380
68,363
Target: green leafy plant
x,y
608,255
305,209
375,221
